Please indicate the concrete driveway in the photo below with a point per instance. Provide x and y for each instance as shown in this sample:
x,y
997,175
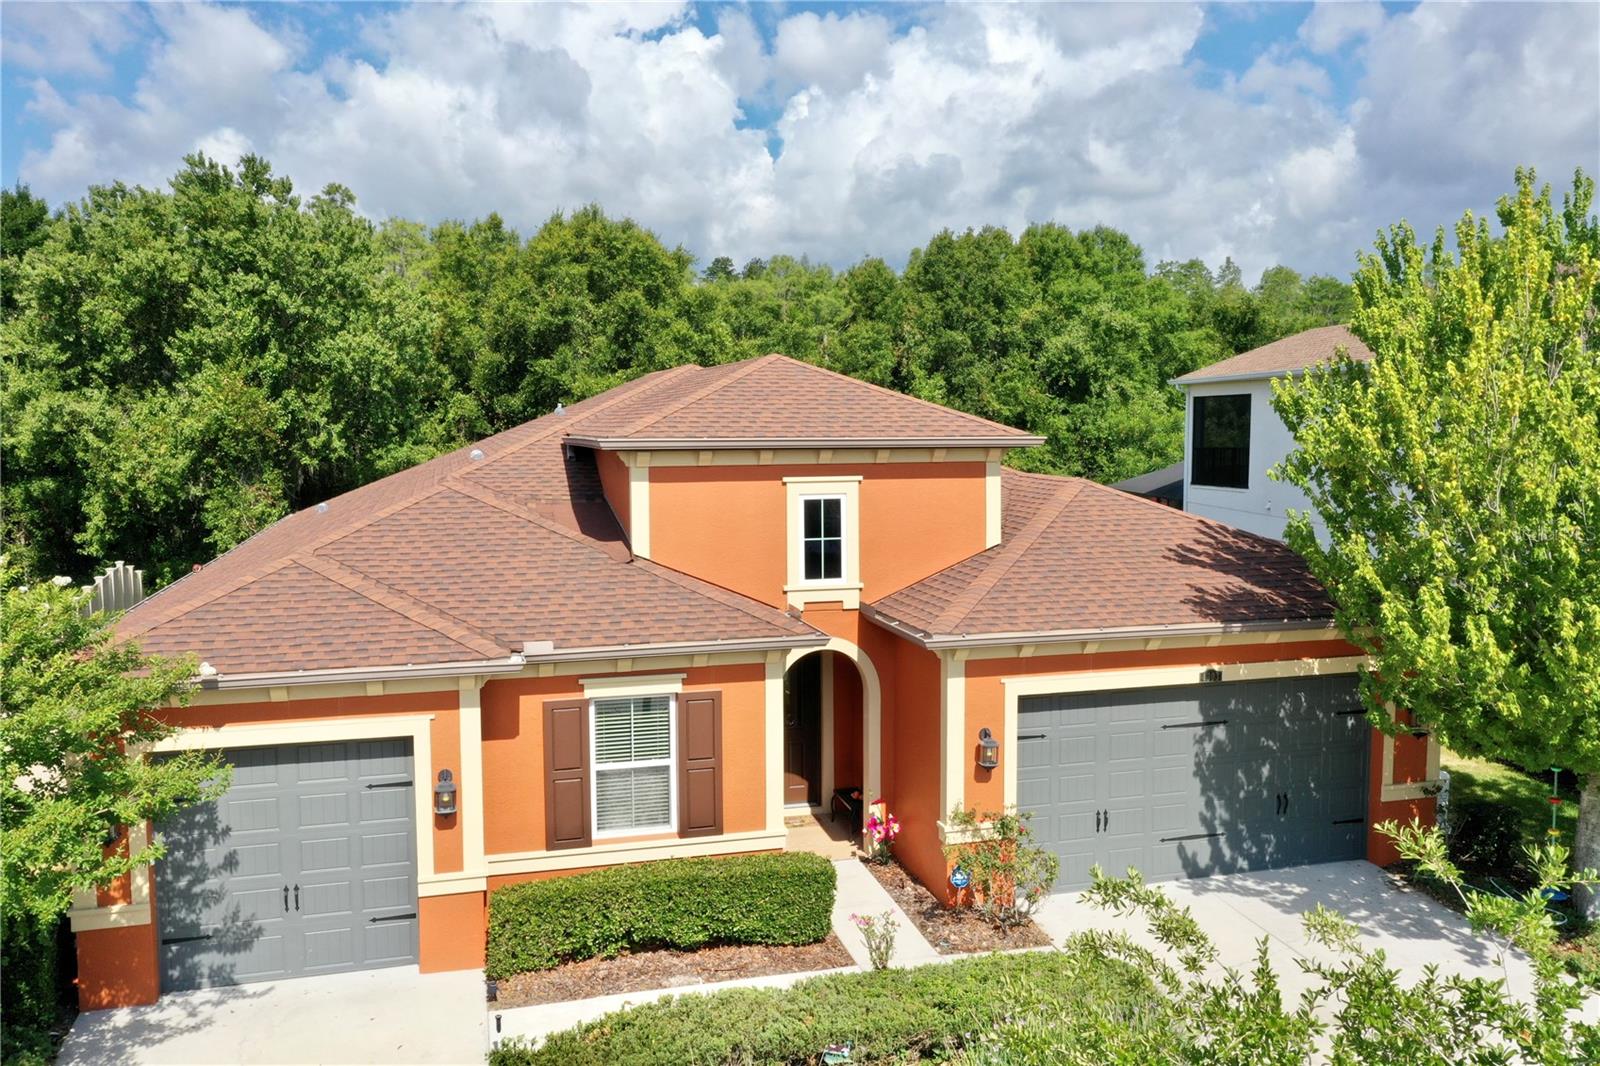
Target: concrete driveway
x,y
394,1015
1237,910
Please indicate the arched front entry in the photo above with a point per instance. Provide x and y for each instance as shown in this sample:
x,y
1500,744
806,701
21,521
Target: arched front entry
x,y
832,720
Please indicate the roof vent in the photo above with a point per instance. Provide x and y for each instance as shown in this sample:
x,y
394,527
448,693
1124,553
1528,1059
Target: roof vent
x,y
475,454
322,508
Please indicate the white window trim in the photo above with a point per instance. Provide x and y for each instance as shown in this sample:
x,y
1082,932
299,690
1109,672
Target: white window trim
x,y
847,588
596,767
844,554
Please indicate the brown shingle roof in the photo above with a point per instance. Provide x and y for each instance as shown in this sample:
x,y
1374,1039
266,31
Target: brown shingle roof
x,y
775,399
1077,557
462,558
1283,356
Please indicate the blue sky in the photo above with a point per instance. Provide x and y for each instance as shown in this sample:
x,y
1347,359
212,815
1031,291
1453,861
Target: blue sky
x,y
1272,132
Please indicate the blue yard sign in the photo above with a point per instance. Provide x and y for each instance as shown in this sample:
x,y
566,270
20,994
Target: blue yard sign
x,y
959,878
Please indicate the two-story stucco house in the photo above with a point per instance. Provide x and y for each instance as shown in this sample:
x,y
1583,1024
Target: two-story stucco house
x,y
660,620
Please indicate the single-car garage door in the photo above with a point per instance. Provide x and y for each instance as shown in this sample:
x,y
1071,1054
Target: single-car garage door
x,y
307,865
1196,780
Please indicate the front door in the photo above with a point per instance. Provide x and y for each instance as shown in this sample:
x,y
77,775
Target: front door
x,y
802,733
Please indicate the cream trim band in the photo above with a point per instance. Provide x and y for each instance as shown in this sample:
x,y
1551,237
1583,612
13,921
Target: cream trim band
x,y
632,685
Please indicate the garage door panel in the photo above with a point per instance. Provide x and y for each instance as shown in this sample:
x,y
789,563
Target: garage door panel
x,y
1200,779
222,888
388,943
324,808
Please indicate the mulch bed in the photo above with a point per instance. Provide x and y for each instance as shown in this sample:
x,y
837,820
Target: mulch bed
x,y
651,970
951,931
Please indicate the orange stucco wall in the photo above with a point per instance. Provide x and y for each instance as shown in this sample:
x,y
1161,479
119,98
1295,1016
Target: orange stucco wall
x,y
118,967
846,723
451,932
1410,765
614,483
513,751
911,747
916,519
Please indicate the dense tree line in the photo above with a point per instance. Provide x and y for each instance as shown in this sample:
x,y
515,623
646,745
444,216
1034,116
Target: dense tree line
x,y
181,367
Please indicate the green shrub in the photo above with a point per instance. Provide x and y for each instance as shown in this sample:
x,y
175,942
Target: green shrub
x,y
676,903
28,992
1490,838
927,1011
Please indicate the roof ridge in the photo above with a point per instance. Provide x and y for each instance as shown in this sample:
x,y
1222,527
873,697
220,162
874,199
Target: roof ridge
x,y
727,597
254,574
516,509
974,593
558,426
417,610
749,368
897,394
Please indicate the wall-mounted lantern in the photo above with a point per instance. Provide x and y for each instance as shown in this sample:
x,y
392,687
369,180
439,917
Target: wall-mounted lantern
x,y
988,749
444,794
1210,675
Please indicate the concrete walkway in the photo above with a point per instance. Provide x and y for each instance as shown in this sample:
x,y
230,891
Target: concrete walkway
x,y
394,1015
858,893
1237,910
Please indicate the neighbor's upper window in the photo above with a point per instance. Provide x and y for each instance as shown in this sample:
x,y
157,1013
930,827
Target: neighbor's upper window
x,y
1221,442
822,538
633,779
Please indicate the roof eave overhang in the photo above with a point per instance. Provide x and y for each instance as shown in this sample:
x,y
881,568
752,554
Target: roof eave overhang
x,y
533,654
940,641
511,664
1225,379
662,444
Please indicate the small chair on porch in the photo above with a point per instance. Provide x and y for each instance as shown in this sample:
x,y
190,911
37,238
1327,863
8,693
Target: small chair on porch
x,y
854,805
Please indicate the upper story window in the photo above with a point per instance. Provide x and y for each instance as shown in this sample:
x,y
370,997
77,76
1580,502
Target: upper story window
x,y
1221,455
824,546
822,538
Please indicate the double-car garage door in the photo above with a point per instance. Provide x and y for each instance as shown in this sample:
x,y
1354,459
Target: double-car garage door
x,y
1196,780
307,865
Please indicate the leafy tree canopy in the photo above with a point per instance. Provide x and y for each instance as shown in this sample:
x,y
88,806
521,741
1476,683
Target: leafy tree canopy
x,y
182,367
1459,477
72,707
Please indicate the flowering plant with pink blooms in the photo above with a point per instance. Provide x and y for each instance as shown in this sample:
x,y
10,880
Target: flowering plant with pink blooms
x,y
880,832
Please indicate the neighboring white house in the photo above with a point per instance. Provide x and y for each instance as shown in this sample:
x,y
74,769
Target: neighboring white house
x,y
1233,436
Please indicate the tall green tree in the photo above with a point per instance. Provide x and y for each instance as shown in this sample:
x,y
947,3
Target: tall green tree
x,y
74,711
1459,478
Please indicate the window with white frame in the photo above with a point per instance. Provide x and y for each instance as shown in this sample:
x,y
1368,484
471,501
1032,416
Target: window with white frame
x,y
822,538
634,786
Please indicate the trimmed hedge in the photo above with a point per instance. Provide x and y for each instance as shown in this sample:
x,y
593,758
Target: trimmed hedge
x,y
785,898
898,1014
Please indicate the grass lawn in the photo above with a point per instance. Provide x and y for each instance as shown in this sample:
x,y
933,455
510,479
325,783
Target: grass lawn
x,y
1481,781
1475,782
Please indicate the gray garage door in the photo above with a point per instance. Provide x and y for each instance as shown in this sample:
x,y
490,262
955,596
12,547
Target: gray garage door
x,y
1197,780
307,865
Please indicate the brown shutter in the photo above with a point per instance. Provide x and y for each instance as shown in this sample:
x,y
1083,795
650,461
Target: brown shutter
x,y
566,792
700,763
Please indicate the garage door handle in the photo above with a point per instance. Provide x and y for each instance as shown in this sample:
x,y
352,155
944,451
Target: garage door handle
x,y
184,939
1097,821
286,899
391,784
1191,836
1195,725
1349,821
1030,736
393,918
296,897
